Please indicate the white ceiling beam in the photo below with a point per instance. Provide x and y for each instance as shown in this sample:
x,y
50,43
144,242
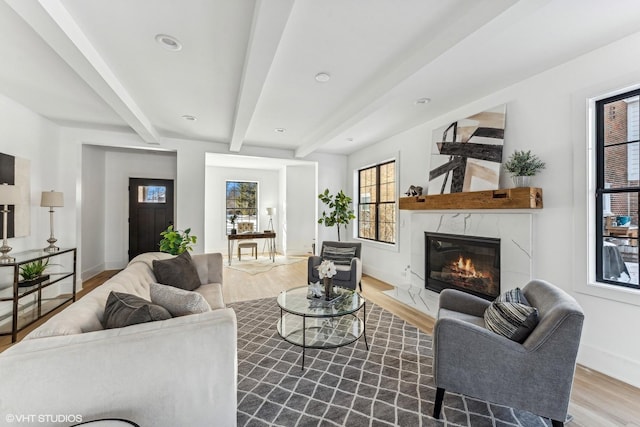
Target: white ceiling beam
x,y
269,22
379,90
51,21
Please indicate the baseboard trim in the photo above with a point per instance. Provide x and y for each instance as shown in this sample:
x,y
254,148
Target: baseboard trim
x,y
610,364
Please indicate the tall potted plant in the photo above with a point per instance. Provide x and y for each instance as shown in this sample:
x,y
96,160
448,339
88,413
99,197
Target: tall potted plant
x,y
341,212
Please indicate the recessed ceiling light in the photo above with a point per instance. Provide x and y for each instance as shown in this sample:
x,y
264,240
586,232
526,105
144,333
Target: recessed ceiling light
x,y
322,77
168,42
189,118
423,101
280,130
349,139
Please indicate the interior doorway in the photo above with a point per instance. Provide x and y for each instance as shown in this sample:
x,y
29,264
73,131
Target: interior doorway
x,y
150,213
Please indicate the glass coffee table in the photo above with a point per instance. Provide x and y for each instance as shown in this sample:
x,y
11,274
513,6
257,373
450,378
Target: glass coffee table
x,y
315,323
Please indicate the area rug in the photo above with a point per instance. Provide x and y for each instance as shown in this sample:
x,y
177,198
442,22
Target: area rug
x,y
262,264
388,385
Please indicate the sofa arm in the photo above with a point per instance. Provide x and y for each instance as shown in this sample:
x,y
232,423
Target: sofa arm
x,y
181,371
463,302
209,267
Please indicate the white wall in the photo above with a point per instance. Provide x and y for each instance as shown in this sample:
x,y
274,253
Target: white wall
x,y
301,195
94,209
215,196
332,174
547,114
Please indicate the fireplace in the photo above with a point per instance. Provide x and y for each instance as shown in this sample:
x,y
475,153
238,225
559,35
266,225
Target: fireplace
x,y
466,263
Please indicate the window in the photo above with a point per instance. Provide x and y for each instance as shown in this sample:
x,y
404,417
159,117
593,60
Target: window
x,y
617,189
377,202
242,203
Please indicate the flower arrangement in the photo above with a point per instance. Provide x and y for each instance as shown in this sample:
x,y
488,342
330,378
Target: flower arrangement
x,y
327,269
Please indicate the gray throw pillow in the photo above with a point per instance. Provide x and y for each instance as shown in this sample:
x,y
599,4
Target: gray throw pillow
x,y
513,295
125,310
339,256
511,319
178,301
179,272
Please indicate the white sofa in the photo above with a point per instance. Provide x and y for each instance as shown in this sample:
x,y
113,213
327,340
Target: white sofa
x,y
176,372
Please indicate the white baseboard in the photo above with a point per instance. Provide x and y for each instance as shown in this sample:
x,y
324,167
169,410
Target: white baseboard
x,y
92,271
613,365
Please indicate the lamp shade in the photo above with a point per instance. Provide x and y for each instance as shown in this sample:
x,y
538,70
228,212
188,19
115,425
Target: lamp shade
x,y
271,211
9,194
52,199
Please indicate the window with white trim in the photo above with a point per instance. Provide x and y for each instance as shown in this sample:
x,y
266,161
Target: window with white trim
x,y
377,202
617,189
241,203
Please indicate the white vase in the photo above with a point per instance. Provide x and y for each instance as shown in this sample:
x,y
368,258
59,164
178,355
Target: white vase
x,y
522,181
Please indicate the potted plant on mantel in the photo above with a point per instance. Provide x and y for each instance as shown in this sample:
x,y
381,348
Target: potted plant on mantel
x,y
342,212
522,165
32,273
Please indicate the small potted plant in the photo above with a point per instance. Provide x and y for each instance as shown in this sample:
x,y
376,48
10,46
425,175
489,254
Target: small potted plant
x,y
522,165
32,273
232,220
176,242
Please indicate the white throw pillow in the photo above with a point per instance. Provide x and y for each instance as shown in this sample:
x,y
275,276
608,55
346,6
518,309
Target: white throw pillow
x,y
178,301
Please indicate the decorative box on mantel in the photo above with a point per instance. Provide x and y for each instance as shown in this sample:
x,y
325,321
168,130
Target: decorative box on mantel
x,y
508,198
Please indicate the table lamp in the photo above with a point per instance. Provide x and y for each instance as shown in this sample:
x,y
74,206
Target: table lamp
x,y
52,199
9,195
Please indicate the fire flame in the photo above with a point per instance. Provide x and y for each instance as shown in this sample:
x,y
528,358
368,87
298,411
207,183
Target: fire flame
x,y
466,267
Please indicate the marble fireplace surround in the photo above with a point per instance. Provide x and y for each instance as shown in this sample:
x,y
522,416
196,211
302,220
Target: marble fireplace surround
x,y
513,229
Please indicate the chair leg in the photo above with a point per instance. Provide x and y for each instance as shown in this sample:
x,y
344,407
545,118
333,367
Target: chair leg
x,y
556,423
437,405
360,284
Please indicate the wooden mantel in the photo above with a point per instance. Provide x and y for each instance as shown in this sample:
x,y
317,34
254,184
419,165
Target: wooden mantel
x,y
508,198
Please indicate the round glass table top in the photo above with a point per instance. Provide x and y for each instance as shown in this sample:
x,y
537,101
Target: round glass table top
x,y
295,301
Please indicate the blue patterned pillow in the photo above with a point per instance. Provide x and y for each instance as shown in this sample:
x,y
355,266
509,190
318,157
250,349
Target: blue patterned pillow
x,y
511,319
339,256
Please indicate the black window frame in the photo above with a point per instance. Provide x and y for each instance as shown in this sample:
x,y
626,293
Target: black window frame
x,y
244,214
377,204
601,191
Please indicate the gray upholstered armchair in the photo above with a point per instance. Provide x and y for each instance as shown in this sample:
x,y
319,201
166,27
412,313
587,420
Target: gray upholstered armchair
x,y
535,376
349,272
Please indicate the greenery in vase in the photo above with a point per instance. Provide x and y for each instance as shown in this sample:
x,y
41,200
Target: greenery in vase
x,y
34,269
341,213
523,163
176,242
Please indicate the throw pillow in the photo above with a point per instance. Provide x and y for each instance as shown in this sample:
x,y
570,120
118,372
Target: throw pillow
x,y
514,295
339,256
179,272
178,301
511,319
125,310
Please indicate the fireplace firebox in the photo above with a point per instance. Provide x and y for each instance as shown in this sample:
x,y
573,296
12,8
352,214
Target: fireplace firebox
x,y
467,263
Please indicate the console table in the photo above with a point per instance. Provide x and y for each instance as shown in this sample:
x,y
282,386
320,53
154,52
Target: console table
x,y
270,235
62,265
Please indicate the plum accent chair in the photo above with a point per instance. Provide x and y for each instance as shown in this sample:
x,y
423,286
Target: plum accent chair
x,y
346,257
535,375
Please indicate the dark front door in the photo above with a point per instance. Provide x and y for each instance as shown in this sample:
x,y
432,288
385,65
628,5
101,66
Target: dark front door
x,y
150,213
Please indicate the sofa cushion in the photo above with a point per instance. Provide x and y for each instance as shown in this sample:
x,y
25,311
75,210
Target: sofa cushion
x,y
178,301
511,319
179,272
340,256
125,310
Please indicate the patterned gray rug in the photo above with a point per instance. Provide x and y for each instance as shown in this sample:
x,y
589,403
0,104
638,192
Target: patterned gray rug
x,y
389,385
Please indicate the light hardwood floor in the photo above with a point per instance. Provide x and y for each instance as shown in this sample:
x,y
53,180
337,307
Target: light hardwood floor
x,y
597,400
